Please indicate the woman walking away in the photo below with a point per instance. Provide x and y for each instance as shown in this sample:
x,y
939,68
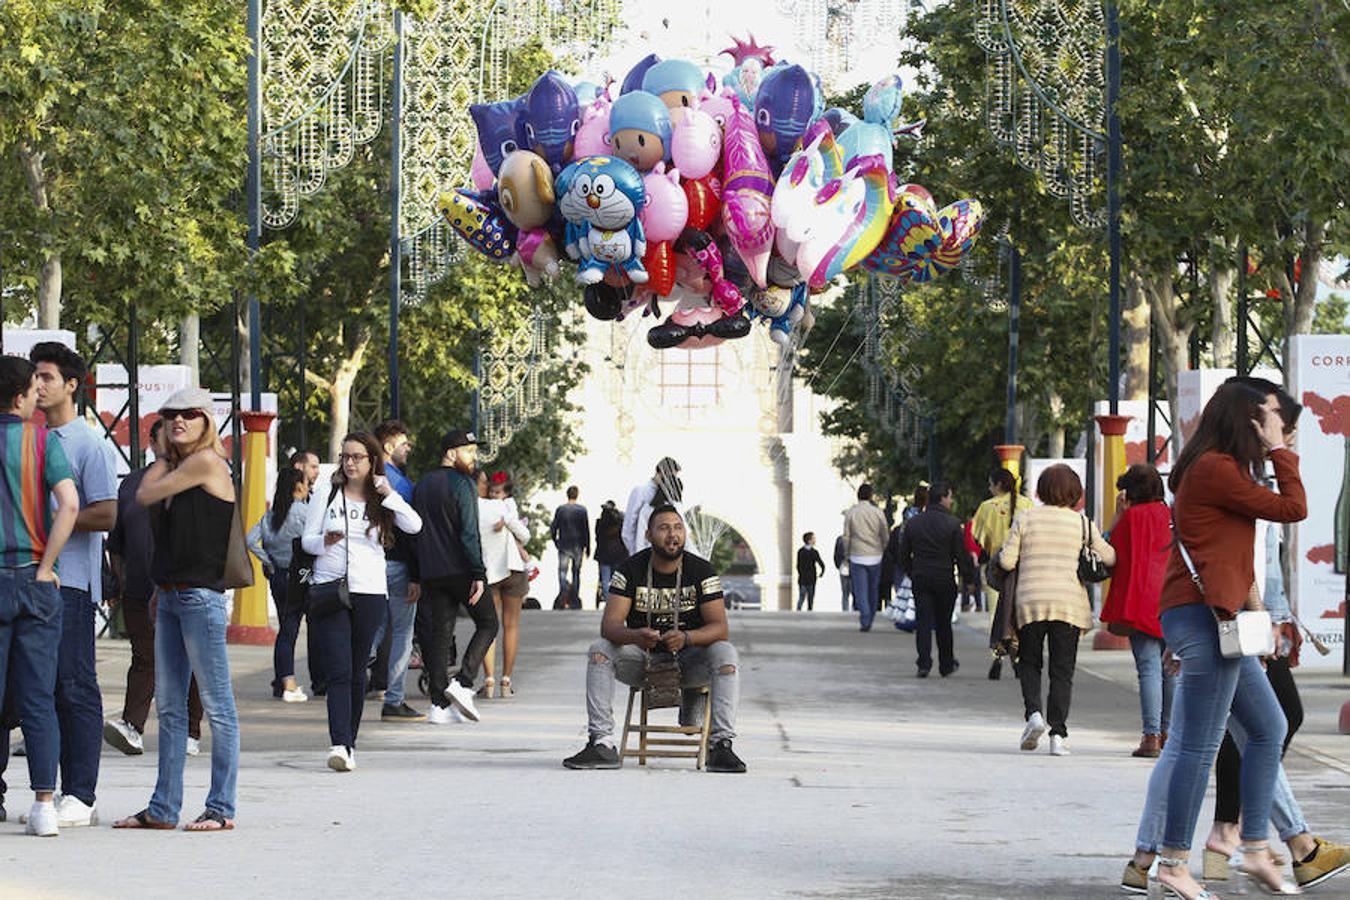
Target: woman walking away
x,y
348,534
610,553
191,500
1052,604
1142,537
271,540
990,525
1219,497
503,536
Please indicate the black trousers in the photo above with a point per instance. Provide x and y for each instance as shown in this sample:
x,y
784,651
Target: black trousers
x,y
1063,640
1228,767
344,638
934,601
445,599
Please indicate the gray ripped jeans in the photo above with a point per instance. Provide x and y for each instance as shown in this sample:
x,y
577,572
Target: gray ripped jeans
x,y
717,665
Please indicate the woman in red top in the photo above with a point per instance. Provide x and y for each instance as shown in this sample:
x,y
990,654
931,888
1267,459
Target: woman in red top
x,y
1142,538
1218,499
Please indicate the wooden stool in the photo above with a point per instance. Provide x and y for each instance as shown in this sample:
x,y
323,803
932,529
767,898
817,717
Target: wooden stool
x,y
691,736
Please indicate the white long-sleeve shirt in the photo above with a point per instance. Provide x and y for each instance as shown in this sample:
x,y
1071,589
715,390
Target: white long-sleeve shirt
x,y
359,555
501,556
635,518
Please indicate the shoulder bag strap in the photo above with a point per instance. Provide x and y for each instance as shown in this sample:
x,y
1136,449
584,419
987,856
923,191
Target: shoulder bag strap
x,y
1185,555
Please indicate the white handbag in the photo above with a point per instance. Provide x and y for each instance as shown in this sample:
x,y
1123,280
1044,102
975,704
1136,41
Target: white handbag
x,y
1250,633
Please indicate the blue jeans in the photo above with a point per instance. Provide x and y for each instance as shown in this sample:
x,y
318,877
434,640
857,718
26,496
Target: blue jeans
x,y
1206,693
400,619
606,573
569,575
845,588
1155,685
79,705
190,638
1285,813
30,640
806,594
866,584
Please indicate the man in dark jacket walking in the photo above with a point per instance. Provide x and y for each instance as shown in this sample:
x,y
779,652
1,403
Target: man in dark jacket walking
x,y
809,568
931,546
571,534
450,563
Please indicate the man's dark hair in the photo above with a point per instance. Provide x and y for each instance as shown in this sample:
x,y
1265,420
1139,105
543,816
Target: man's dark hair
x,y
388,430
865,491
806,538
1004,480
70,363
660,510
573,492
298,457
16,376
940,491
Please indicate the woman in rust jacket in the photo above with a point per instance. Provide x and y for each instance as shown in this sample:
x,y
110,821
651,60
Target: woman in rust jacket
x,y
1218,500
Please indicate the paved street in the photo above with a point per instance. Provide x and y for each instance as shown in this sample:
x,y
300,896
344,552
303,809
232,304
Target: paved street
x,y
864,782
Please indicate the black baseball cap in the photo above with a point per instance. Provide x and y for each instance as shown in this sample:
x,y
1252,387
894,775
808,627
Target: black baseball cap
x,y
457,437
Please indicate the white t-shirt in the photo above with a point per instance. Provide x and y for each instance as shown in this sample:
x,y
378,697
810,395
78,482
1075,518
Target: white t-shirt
x,y
501,556
359,555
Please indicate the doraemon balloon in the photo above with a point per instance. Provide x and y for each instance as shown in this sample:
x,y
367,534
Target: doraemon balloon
x,y
600,197
549,120
785,104
496,123
639,130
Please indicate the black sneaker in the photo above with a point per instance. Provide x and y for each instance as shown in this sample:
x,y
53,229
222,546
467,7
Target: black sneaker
x,y
3,815
594,756
952,671
401,713
723,759
996,670
921,673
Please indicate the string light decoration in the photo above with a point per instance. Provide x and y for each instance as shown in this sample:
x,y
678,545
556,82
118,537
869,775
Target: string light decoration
x,y
888,395
322,94
1045,93
835,34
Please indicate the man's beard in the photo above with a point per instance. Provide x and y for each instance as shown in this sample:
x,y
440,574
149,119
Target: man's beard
x,y
666,555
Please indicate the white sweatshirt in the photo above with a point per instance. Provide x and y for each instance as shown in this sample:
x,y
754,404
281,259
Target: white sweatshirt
x,y
501,556
365,565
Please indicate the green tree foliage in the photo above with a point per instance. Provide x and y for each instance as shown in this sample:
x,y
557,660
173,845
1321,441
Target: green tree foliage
x,y
1331,315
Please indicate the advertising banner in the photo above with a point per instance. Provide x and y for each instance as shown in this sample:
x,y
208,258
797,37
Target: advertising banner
x,y
1320,380
19,341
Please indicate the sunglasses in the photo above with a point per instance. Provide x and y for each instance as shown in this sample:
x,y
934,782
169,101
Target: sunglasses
x,y
187,415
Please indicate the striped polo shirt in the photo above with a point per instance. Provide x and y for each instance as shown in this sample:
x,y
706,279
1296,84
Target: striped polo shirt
x,y
33,465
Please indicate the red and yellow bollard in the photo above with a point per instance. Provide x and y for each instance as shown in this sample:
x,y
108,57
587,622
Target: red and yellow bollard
x,y
1113,466
249,622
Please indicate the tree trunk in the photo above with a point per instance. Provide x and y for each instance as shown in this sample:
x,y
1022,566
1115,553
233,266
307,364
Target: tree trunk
x,y
1056,443
1174,328
189,346
340,395
1301,303
1136,320
49,279
1224,334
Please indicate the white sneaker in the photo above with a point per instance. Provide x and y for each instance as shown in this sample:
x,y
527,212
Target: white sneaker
x,y
123,735
457,717
295,696
42,820
194,747
462,698
340,759
1031,735
1057,747
443,715
72,813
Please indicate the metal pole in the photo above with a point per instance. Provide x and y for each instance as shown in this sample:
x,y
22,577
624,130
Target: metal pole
x,y
1152,394
304,392
134,385
237,444
1014,337
475,412
1113,164
1243,365
253,188
395,201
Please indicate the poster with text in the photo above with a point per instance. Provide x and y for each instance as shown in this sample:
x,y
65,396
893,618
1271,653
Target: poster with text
x,y
1320,380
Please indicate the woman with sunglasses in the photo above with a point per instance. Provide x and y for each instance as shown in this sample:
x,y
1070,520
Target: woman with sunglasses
x,y
191,499
348,533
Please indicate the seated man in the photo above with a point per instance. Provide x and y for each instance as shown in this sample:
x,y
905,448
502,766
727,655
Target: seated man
x,y
662,600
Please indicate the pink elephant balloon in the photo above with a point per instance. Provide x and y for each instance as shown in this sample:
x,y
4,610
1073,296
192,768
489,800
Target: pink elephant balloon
x,y
478,170
593,136
696,144
667,209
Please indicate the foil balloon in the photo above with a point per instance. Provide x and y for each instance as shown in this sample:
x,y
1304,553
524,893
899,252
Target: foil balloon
x,y
875,135
525,195
960,224
633,80
659,262
587,92
496,124
745,80
696,144
677,82
912,235
600,197
593,135
720,106
746,194
697,327
667,209
786,102
839,119
479,171
639,129
703,250
851,216
705,200
478,219
549,120
794,194
783,308
606,302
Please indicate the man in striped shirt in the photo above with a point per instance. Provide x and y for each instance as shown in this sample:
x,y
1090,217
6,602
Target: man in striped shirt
x,y
33,530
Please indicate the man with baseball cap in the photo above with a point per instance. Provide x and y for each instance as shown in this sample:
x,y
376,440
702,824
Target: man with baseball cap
x,y
450,560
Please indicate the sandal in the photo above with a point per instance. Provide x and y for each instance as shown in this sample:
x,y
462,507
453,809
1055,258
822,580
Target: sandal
x,y
507,690
142,820
485,692
210,820
1172,890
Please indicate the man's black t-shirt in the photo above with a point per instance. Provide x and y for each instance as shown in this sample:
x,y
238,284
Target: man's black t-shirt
x,y
699,584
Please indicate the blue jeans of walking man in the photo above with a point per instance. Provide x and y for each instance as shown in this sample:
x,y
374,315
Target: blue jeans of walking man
x,y
400,619
30,637
569,575
866,583
190,638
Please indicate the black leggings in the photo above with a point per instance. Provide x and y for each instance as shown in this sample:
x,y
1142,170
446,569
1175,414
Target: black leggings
x,y
1228,767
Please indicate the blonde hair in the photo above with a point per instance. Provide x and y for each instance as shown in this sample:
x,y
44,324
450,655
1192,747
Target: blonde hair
x,y
210,438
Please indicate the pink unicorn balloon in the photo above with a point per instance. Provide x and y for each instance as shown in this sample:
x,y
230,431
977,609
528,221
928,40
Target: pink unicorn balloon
x,y
747,194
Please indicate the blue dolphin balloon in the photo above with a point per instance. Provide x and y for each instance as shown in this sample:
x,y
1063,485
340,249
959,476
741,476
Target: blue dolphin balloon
x,y
549,120
633,80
